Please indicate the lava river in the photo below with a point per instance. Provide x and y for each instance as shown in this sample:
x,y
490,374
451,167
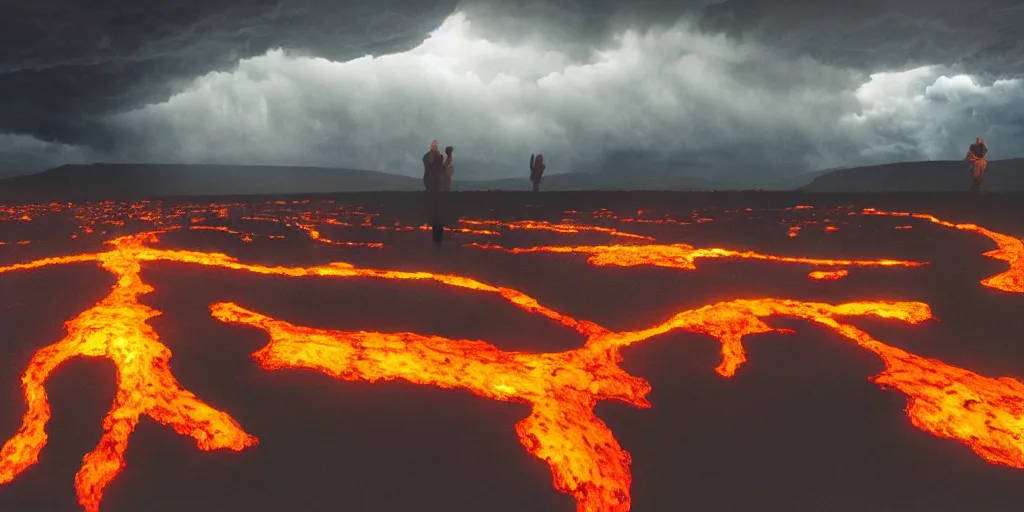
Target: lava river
x,y
562,388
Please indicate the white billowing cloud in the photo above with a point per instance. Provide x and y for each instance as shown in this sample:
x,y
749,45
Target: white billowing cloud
x,y
677,94
933,113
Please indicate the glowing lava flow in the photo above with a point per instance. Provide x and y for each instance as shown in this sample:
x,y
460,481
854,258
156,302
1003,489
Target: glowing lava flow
x,y
834,275
682,256
562,388
315,235
561,228
115,329
983,413
586,460
1010,249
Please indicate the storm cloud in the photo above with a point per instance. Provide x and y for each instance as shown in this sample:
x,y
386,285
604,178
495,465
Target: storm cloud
x,y
734,89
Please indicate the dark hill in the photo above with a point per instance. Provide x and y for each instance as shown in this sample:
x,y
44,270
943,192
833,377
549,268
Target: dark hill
x,y
136,181
937,176
139,181
639,181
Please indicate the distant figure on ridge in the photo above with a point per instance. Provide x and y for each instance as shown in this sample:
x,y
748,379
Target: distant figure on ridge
x,y
449,169
536,171
433,168
976,156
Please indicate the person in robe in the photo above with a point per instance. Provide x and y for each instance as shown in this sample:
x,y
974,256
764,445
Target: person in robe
x,y
536,171
449,169
976,157
433,168
433,174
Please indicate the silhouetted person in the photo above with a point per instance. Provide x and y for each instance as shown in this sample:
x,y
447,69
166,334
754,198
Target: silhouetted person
x,y
448,169
976,156
536,171
433,172
433,168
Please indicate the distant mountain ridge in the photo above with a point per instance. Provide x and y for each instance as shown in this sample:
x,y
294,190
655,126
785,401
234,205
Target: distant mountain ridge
x,y
138,181
95,182
643,180
934,176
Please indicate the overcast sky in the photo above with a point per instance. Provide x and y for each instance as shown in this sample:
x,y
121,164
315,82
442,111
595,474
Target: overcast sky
x,y
741,89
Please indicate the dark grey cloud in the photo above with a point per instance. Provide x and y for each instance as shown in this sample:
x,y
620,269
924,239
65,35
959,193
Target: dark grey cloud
x,y
65,64
750,88
980,37
21,154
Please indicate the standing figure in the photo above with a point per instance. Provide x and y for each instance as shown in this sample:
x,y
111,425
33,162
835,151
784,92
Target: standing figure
x,y
449,169
536,171
433,173
433,168
976,156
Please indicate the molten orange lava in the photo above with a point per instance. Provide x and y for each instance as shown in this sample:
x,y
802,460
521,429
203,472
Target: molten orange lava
x,y
561,388
562,228
834,275
115,329
317,237
682,256
1010,250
